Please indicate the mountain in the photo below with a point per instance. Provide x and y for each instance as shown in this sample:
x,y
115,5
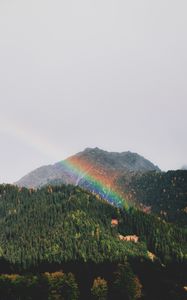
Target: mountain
x,y
122,179
94,169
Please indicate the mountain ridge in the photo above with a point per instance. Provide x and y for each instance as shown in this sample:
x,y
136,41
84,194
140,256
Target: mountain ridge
x,y
120,162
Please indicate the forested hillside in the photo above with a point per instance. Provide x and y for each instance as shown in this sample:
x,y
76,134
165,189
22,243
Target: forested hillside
x,y
164,194
65,227
59,224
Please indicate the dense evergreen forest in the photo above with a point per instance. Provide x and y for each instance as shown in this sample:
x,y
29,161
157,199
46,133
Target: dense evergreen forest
x,y
66,242
162,193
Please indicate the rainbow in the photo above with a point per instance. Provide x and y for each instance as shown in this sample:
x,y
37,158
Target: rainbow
x,y
27,135
78,168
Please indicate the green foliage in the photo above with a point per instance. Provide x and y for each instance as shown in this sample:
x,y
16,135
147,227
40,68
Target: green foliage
x,y
59,224
48,286
62,286
65,225
99,289
164,193
126,285
167,241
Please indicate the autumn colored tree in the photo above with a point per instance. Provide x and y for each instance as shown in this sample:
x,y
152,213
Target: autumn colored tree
x,y
62,286
99,289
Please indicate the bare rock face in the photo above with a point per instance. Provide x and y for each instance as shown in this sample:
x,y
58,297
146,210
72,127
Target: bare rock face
x,y
100,164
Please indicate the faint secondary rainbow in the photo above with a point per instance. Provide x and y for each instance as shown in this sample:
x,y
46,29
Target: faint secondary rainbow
x,y
29,137
78,168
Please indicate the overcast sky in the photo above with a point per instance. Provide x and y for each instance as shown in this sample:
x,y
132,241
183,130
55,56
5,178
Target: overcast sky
x,y
81,73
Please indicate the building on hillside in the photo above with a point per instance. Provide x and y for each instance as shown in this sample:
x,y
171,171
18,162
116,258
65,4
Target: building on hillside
x,y
129,238
114,222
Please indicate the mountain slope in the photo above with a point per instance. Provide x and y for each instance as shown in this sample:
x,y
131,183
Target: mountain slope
x,y
59,224
67,228
102,166
164,194
121,178
66,223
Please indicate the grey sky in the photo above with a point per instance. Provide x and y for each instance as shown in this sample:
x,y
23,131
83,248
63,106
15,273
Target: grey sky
x,y
76,74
